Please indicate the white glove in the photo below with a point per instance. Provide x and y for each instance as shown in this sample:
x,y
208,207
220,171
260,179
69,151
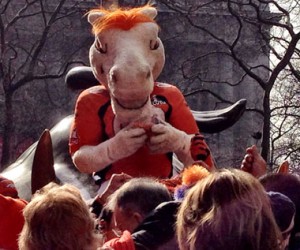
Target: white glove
x,y
126,142
165,138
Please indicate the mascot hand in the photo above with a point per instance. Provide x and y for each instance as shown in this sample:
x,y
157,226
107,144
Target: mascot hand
x,y
165,138
126,142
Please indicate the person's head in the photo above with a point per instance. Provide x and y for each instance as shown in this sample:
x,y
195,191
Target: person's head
x,y
289,185
284,212
57,218
134,200
228,209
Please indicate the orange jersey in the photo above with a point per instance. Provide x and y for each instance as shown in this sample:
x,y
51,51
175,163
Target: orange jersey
x,y
93,124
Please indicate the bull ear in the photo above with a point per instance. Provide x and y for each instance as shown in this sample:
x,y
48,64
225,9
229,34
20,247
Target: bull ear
x,y
43,164
94,15
283,168
150,12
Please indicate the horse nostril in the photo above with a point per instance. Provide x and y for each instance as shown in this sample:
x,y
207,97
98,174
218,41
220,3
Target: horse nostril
x,y
113,76
148,75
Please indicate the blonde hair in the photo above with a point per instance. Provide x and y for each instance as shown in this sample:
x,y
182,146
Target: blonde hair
x,y
228,209
57,218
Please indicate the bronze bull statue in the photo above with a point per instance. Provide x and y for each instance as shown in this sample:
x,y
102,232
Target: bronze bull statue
x,y
48,159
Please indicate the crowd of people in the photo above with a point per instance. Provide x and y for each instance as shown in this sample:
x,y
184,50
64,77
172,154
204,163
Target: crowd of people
x,y
244,208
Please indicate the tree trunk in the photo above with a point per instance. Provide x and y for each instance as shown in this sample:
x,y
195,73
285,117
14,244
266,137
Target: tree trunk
x,y
7,132
265,144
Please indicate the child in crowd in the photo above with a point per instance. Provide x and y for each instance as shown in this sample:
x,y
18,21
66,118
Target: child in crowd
x,y
131,203
289,185
284,211
58,218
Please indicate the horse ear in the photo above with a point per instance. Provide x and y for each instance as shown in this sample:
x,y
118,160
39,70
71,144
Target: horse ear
x,y
94,15
150,12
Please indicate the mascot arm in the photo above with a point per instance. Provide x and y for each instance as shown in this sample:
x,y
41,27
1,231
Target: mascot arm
x,y
181,134
126,142
183,119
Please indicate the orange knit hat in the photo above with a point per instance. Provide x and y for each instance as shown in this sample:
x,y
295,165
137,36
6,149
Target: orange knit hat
x,y
190,176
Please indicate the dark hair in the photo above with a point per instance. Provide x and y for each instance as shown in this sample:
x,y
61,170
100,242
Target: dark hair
x,y
141,195
283,209
289,185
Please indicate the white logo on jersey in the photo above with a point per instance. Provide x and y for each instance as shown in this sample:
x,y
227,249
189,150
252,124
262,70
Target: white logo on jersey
x,y
156,101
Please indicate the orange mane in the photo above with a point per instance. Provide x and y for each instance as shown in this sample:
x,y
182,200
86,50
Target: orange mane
x,y
123,19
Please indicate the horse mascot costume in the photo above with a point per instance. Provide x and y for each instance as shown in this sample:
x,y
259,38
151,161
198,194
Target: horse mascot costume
x,y
130,123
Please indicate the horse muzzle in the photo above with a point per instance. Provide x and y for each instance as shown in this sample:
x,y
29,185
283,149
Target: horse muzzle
x,y
131,104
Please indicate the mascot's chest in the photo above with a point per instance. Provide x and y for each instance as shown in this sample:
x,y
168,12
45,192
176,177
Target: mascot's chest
x,y
161,106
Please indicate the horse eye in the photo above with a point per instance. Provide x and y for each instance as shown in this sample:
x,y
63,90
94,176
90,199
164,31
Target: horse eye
x,y
100,48
155,45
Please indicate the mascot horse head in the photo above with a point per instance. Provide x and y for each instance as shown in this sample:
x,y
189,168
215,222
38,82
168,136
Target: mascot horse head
x,y
126,57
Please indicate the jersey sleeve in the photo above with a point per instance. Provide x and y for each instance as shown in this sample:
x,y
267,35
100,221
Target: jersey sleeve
x,y
86,128
182,118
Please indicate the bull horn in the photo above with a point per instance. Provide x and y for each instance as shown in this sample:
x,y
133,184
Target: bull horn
x,y
80,77
215,121
43,163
